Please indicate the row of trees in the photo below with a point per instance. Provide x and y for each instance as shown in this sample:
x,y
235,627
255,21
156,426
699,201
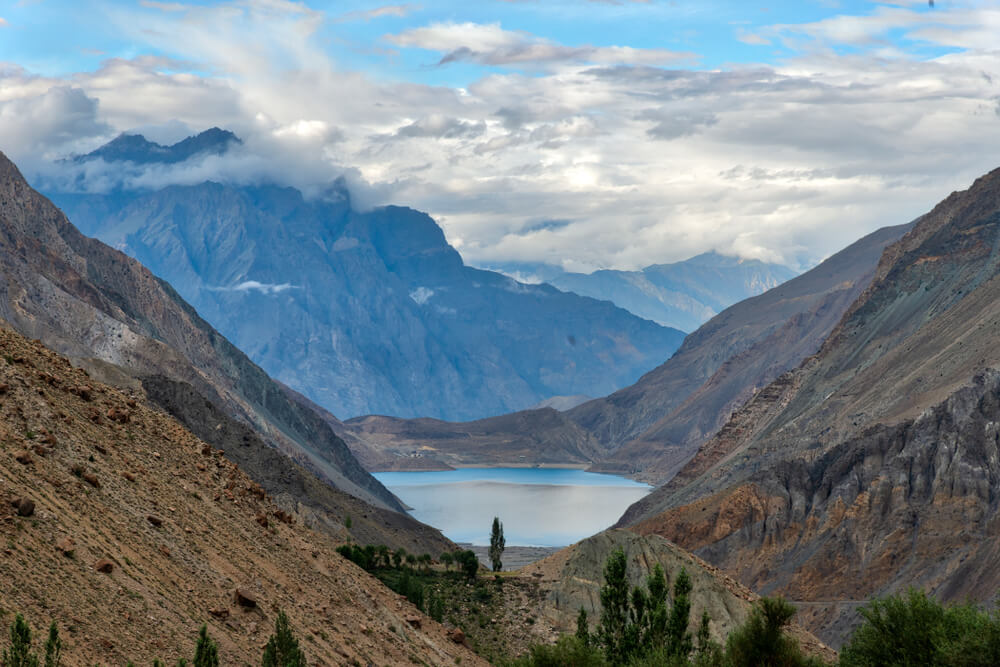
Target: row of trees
x,y
282,649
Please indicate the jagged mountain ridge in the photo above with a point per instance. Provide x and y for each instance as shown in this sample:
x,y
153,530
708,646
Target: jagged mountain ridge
x,y
111,315
650,429
370,312
683,295
177,530
872,466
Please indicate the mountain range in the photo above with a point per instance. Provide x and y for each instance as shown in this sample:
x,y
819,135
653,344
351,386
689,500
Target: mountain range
x,y
683,295
362,312
126,327
651,428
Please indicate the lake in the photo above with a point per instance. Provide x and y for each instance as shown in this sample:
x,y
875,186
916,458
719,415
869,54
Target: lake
x,y
538,506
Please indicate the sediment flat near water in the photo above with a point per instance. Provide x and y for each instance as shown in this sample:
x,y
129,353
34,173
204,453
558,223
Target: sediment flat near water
x,y
547,507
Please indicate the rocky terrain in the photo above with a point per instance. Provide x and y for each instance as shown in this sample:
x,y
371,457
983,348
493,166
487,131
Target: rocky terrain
x,y
363,312
129,532
683,295
572,578
651,428
873,465
112,316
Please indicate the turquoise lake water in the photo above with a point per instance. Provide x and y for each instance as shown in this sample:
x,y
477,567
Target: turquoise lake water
x,y
538,506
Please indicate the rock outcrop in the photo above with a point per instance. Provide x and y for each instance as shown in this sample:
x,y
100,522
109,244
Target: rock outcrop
x,y
873,465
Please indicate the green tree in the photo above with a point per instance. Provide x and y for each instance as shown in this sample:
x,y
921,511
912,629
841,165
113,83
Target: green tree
x,y
469,563
282,648
583,627
496,544
615,609
206,653
762,641
446,559
678,637
19,653
916,629
53,647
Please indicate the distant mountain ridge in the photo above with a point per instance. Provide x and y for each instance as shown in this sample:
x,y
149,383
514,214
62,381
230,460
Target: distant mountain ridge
x,y
683,295
136,148
365,312
650,429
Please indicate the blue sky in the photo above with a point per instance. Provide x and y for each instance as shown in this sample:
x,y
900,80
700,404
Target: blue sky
x,y
56,37
651,130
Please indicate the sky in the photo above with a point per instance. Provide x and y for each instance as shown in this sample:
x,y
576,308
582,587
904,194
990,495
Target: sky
x,y
581,133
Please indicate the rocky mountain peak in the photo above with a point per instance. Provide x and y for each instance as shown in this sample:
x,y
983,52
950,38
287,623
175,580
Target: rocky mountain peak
x,y
136,148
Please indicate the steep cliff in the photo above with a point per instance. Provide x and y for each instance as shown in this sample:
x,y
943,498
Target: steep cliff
x,y
872,466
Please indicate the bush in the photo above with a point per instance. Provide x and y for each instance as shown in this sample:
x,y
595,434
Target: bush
x,y
762,641
568,651
915,629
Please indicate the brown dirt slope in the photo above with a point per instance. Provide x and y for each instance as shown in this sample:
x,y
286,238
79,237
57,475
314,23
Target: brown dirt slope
x,y
89,301
873,466
181,528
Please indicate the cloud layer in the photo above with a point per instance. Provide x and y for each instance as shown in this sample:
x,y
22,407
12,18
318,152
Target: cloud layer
x,y
639,155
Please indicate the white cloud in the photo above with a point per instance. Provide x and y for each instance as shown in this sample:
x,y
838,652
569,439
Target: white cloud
x,y
255,286
492,45
397,11
646,163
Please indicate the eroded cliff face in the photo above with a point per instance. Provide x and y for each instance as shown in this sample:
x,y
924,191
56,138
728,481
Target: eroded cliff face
x,y
873,465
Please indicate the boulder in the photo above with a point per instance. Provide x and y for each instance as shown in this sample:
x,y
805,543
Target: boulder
x,y
67,546
24,506
155,520
23,457
457,636
414,622
104,565
244,598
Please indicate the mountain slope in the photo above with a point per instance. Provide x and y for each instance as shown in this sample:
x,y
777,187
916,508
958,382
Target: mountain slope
x,y
109,313
872,466
684,294
571,580
181,528
654,426
369,312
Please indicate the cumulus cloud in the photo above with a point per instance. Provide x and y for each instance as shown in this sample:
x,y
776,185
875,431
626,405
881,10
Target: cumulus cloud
x,y
645,160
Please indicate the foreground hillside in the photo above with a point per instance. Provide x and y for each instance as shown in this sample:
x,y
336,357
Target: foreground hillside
x,y
364,312
873,465
113,316
138,532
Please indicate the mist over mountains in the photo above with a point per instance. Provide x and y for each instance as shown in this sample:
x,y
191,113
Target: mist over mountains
x,y
683,295
363,312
